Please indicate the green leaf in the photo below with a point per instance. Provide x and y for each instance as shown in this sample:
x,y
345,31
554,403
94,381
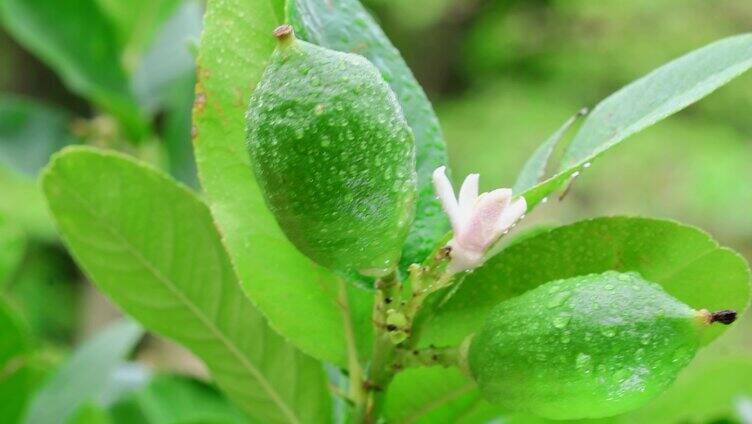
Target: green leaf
x,y
45,290
12,246
177,129
168,58
688,264
535,167
30,132
152,247
705,393
435,395
165,80
23,204
90,413
297,296
170,399
75,38
648,100
84,374
136,22
16,378
345,25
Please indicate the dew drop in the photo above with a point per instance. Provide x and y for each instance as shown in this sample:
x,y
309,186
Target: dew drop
x,y
558,299
608,332
584,362
561,321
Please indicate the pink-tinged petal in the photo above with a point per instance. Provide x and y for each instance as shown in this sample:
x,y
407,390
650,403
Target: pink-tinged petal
x,y
511,214
444,191
481,228
468,195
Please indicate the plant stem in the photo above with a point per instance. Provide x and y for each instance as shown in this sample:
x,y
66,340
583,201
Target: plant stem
x,y
387,299
393,317
353,364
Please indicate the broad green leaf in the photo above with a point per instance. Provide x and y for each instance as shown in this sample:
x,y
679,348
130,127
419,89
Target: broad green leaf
x,y
16,379
168,58
165,80
170,399
706,393
297,296
648,100
177,129
152,247
136,23
12,246
84,374
23,204
689,265
345,25
30,132
45,290
435,395
535,167
75,38
90,413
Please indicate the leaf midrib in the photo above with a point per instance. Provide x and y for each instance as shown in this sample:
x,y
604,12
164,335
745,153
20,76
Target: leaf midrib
x,y
215,331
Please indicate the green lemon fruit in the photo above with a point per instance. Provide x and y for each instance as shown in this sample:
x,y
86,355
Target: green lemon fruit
x,y
586,347
333,155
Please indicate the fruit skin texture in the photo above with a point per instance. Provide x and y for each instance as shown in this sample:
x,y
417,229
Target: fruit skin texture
x,y
333,156
585,347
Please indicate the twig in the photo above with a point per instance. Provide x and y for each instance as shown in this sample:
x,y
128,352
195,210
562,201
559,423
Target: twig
x,y
353,364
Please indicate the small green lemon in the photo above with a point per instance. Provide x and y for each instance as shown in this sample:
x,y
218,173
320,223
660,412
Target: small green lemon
x,y
333,156
586,347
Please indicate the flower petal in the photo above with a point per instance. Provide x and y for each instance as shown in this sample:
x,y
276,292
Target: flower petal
x,y
443,188
468,195
512,213
481,228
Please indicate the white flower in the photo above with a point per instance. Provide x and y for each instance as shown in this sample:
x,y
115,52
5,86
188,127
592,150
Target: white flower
x,y
477,221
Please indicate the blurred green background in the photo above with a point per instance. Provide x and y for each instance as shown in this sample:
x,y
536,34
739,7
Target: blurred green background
x,y
503,75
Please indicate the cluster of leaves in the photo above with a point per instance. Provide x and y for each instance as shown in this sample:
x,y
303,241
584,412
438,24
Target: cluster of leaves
x,y
216,274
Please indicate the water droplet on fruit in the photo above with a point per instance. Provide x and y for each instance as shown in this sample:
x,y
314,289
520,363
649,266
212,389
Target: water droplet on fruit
x,y
558,299
561,321
608,332
584,362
